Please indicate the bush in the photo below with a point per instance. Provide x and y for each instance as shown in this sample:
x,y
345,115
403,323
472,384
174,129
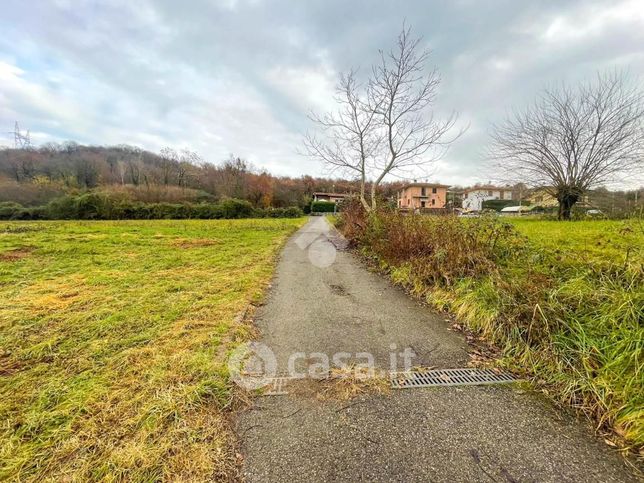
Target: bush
x,y
233,208
440,250
322,207
8,210
293,212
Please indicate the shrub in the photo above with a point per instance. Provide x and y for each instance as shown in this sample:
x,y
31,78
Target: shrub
x,y
322,207
440,250
8,209
233,208
94,206
63,208
293,212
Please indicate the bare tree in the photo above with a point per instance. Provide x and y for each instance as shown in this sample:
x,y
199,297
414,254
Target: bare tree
x,y
400,94
350,134
384,127
573,138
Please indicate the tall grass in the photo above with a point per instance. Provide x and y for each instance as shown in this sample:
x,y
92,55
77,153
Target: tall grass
x,y
569,318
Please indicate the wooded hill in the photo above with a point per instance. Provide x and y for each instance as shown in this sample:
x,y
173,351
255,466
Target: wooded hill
x,y
35,176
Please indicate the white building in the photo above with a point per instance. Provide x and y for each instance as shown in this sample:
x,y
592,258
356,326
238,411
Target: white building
x,y
473,198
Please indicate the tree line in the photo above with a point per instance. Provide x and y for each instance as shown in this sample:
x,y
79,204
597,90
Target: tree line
x,y
35,176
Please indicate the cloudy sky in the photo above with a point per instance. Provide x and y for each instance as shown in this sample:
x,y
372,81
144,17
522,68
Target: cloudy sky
x,y
239,76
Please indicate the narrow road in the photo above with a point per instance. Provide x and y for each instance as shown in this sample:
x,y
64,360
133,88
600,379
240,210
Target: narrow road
x,y
325,301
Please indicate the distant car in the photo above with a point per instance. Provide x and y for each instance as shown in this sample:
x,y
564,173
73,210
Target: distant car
x,y
594,212
470,214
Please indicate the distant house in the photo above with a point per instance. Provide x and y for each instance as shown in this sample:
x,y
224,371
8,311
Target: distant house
x,y
422,195
544,197
332,197
473,198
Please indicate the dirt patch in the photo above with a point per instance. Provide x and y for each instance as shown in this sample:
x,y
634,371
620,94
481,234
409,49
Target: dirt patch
x,y
338,289
21,228
16,254
186,243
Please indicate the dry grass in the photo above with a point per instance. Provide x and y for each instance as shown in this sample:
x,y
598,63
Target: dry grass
x,y
113,345
341,384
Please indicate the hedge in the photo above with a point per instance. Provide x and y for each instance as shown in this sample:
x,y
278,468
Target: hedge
x,y
322,207
99,206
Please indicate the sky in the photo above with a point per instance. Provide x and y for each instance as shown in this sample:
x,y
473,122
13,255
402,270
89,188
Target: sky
x,y
240,76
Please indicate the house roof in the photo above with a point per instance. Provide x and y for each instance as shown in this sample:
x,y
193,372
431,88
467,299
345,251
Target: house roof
x,y
426,185
337,195
488,187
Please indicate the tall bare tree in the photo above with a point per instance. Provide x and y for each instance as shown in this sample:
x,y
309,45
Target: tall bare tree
x,y
350,134
574,138
384,126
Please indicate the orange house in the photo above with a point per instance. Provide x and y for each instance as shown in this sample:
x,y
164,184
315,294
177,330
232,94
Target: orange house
x,y
422,195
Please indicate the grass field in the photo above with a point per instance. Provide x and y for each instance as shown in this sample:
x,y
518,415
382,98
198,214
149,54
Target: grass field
x,y
597,241
113,339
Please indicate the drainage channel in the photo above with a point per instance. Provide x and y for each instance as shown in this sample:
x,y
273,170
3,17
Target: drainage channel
x,y
278,386
449,377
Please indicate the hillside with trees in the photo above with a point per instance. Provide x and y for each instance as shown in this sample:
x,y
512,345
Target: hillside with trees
x,y
36,176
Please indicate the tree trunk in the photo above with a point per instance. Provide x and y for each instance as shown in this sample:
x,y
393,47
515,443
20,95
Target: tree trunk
x,y
363,200
566,202
374,203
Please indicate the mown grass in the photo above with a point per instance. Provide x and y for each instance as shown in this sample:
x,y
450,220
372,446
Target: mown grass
x,y
564,300
113,341
592,241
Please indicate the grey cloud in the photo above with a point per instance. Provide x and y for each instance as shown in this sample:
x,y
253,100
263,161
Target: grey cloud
x,y
238,76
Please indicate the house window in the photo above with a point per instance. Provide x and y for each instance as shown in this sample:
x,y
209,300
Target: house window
x,y
433,201
502,193
489,193
434,190
422,204
423,191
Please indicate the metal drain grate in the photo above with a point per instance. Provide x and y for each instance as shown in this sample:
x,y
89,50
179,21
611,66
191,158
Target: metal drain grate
x,y
449,377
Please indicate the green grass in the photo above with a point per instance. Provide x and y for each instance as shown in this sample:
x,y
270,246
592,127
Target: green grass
x,y
599,241
113,341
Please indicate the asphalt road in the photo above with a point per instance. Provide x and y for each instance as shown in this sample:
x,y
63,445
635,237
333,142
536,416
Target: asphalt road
x,y
324,302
